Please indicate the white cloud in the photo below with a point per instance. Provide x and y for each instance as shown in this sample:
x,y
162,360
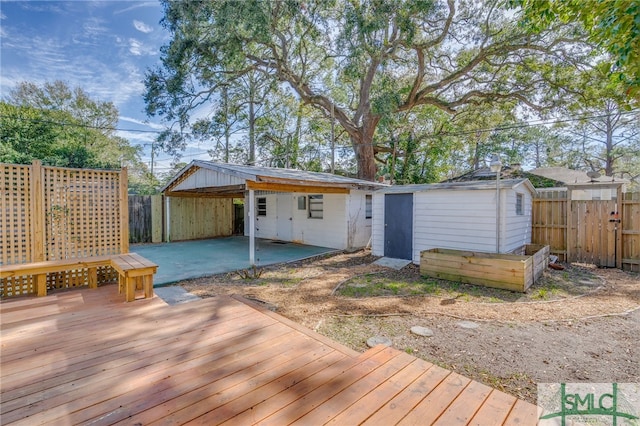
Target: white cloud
x,y
137,6
138,48
2,16
154,126
142,27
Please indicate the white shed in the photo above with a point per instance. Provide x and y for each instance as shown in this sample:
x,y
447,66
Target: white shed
x,y
284,204
457,215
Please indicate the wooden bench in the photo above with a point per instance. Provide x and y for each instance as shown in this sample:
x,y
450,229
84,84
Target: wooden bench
x,y
133,268
130,268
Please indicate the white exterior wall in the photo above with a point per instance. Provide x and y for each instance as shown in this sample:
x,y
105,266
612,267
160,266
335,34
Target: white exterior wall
x,y
460,220
330,231
358,226
377,225
516,229
203,178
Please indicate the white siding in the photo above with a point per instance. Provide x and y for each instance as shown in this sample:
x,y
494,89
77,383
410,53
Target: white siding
x,y
516,229
377,225
204,178
358,226
462,220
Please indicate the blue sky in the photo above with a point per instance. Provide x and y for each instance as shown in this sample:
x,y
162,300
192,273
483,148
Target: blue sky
x,y
105,47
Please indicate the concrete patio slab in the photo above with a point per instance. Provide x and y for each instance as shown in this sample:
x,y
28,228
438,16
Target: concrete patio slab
x,y
389,262
193,259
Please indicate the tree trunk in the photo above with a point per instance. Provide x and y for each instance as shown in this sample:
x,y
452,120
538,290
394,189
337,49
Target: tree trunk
x,y
364,159
252,130
609,160
362,142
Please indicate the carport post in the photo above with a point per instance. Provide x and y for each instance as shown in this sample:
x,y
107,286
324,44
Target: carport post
x,y
252,228
167,219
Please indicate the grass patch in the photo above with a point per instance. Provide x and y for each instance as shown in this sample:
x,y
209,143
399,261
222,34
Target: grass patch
x,y
374,285
408,282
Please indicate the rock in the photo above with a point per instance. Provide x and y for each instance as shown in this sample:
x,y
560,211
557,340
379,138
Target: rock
x,y
422,331
468,324
378,340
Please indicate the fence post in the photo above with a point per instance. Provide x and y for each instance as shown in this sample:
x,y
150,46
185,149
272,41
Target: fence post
x,y
156,218
619,226
124,211
37,212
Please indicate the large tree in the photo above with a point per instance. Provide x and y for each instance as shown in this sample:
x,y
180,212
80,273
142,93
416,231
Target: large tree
x,y
357,60
614,25
61,126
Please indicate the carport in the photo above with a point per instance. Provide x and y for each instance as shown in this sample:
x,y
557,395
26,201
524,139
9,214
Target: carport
x,y
291,206
193,259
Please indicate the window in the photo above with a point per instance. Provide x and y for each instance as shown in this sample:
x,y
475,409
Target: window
x,y
262,206
302,203
368,208
519,204
315,206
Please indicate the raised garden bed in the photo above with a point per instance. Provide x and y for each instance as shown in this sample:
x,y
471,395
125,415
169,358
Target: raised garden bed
x,y
505,271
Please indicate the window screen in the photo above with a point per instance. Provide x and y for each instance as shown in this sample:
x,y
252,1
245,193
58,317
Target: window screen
x,y
315,206
368,207
262,206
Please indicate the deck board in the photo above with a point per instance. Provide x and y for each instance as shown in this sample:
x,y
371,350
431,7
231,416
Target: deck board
x,y
85,356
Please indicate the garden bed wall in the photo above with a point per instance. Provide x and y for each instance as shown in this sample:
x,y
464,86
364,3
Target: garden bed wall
x,y
505,271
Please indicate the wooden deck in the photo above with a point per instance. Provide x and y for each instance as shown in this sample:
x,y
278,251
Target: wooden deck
x,y
86,357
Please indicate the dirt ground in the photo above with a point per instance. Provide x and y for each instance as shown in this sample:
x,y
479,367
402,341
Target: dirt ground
x,y
580,324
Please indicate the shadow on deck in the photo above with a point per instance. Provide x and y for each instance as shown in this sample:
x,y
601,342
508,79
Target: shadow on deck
x,y
85,357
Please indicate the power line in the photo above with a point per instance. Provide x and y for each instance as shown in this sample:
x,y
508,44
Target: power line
x,y
514,126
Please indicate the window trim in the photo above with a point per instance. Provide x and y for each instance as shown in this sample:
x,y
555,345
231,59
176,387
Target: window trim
x,y
368,206
519,204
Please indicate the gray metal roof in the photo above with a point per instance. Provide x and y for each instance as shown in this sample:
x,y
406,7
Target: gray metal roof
x,y
570,176
458,186
267,174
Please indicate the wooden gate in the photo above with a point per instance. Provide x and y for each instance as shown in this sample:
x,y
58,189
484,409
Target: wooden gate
x,y
591,237
587,232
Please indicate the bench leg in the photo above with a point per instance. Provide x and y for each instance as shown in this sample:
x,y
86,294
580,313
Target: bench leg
x,y
148,286
93,277
40,281
129,288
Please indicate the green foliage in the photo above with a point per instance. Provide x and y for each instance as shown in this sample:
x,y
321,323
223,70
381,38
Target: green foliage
x,y
364,63
64,127
614,25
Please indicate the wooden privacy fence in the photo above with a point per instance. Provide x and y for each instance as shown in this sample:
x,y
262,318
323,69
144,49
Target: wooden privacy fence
x,y
587,232
52,213
190,218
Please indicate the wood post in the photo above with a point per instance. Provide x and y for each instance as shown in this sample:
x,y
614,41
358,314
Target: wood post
x,y
569,237
37,212
156,219
252,227
93,277
124,211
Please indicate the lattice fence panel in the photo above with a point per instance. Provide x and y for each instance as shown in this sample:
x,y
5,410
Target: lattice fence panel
x,y
15,222
80,216
82,209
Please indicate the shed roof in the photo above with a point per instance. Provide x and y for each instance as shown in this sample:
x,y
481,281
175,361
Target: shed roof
x,y
265,176
459,186
569,176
